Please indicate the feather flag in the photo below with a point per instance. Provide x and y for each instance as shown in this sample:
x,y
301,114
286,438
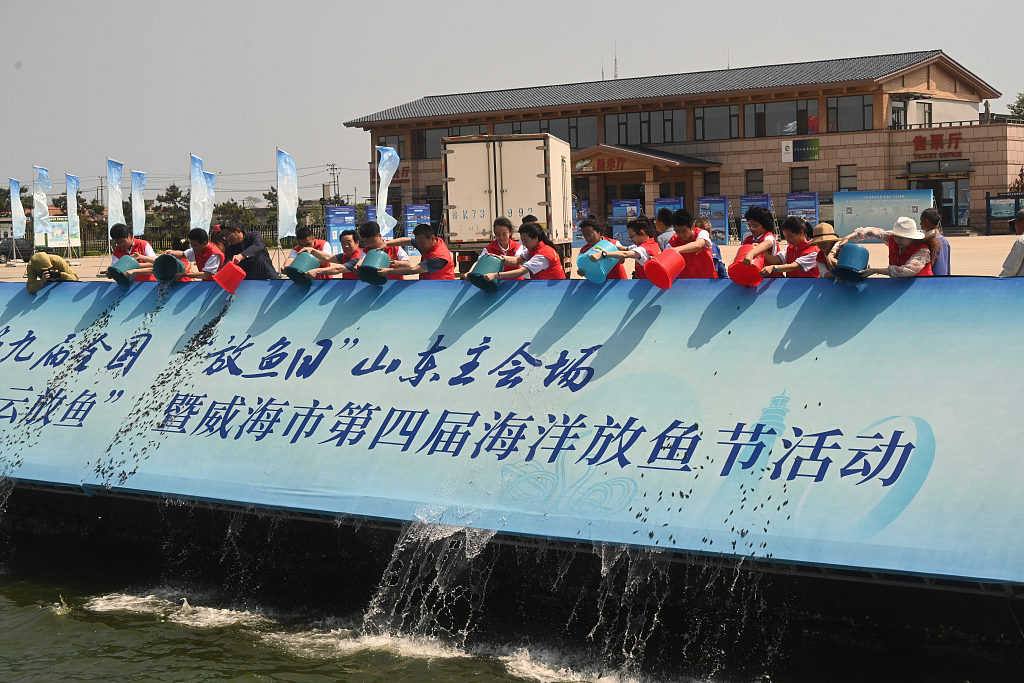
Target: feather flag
x,y
138,203
115,210
287,195
72,194
197,203
40,202
18,219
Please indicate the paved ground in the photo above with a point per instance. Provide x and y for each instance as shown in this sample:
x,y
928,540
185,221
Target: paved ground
x,y
968,256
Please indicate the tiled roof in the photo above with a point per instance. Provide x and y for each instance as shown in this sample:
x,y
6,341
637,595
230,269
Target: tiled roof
x,y
672,85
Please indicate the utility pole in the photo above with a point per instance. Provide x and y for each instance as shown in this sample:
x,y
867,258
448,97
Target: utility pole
x,y
332,169
101,195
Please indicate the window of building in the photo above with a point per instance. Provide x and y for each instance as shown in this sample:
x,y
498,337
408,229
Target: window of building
x,y
852,113
645,127
755,181
770,119
712,183
428,142
799,179
848,177
397,142
926,113
716,123
898,118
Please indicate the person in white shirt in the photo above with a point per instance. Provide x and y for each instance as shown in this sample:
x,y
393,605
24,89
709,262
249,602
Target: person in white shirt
x,y
1013,266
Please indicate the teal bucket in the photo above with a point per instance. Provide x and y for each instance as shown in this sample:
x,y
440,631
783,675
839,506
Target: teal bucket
x,y
853,258
299,266
167,268
597,271
485,265
117,272
374,260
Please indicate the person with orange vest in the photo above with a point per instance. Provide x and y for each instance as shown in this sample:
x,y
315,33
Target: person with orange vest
x,y
645,246
122,243
304,241
694,245
593,235
343,263
435,258
203,253
762,235
540,261
911,251
503,244
801,257
370,239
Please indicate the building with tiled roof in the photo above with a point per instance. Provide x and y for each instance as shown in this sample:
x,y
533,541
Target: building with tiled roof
x,y
899,121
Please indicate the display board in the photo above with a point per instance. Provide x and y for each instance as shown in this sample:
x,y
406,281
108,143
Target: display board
x,y
439,402
339,219
716,210
750,200
878,209
804,205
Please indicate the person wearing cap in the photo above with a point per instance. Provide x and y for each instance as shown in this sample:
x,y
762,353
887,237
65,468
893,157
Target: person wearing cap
x,y
824,238
1013,266
931,220
43,268
911,251
436,261
800,258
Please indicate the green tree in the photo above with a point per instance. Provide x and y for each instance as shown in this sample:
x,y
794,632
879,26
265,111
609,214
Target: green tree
x,y
171,212
1018,184
271,198
5,200
232,211
1016,108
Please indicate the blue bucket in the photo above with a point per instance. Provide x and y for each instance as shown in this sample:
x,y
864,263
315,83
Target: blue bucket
x,y
167,267
597,271
485,265
118,271
853,258
374,260
302,263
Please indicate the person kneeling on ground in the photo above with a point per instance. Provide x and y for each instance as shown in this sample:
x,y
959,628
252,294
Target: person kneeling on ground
x,y
203,253
541,260
911,251
435,258
801,257
43,268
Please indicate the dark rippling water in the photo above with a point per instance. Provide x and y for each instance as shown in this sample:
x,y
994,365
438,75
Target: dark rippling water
x,y
451,605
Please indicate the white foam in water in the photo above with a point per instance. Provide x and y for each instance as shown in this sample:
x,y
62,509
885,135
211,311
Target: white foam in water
x,y
121,602
342,642
546,666
171,610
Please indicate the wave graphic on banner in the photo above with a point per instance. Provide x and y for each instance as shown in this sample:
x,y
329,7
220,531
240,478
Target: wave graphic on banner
x,y
115,209
74,229
138,203
40,203
18,219
386,170
287,195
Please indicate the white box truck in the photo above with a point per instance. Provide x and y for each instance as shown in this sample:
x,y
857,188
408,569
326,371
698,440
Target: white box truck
x,y
487,176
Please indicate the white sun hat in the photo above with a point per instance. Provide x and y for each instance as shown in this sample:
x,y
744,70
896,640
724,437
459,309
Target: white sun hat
x,y
906,227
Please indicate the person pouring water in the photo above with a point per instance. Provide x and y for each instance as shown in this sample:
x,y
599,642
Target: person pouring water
x,y
911,251
541,260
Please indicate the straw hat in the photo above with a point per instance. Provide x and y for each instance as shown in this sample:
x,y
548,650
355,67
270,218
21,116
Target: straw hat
x,y
824,233
906,227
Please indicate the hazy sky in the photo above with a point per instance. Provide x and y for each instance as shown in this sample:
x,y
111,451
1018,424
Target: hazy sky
x,y
148,82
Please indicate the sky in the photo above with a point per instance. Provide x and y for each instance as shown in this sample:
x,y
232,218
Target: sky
x,y
148,83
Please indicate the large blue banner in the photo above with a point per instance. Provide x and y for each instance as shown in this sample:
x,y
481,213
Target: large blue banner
x,y
716,210
792,430
339,219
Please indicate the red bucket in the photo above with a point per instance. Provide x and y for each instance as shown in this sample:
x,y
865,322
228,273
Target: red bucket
x,y
741,273
663,269
229,277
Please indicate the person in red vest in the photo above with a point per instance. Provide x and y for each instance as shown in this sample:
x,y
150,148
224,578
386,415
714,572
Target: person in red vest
x,y
203,253
503,244
801,257
343,263
592,234
370,239
435,258
122,243
762,234
541,260
645,246
695,245
304,241
911,251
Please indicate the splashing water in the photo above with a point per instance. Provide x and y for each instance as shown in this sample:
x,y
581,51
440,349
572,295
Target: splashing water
x,y
432,586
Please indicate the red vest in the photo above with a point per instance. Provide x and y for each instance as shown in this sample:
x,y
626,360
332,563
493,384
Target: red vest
x,y
616,273
440,250
343,258
138,247
699,264
750,239
203,256
794,251
554,271
513,247
898,258
319,246
653,249
392,251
